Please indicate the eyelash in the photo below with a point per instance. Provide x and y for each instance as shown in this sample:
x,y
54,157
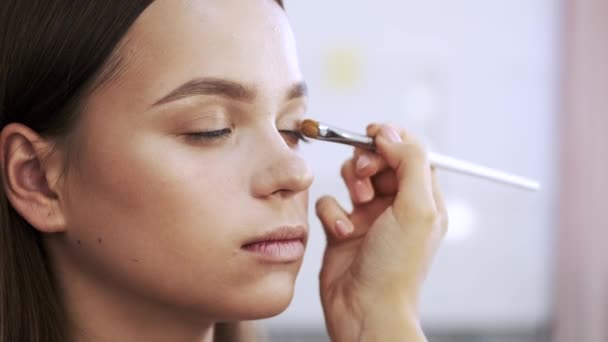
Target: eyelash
x,y
210,135
224,133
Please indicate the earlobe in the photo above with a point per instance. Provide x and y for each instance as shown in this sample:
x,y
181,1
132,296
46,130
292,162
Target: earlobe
x,y
30,177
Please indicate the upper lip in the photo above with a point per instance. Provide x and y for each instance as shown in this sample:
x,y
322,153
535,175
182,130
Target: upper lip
x,y
297,232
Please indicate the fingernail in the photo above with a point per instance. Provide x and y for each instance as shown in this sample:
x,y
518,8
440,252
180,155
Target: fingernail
x,y
391,134
362,191
362,162
343,228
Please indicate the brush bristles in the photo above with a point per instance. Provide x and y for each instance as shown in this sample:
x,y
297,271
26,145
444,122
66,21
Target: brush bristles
x,y
310,128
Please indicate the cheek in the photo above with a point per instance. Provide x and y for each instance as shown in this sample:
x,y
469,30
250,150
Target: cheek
x,y
151,182
152,213
149,188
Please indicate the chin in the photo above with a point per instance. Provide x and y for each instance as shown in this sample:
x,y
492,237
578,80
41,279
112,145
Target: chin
x,y
264,298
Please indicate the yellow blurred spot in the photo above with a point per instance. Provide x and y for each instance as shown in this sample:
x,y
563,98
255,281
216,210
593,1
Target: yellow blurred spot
x,y
343,68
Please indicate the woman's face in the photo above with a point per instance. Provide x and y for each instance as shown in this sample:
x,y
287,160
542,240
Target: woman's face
x,y
160,211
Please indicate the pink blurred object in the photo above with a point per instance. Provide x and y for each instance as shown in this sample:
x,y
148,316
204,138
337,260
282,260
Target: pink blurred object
x,y
581,311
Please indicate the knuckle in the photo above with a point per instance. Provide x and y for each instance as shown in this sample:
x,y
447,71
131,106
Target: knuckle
x,y
429,217
425,218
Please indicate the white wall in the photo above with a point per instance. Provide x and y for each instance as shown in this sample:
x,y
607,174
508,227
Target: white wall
x,y
477,79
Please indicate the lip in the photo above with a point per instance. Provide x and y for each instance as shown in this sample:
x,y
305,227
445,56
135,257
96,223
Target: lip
x,y
282,244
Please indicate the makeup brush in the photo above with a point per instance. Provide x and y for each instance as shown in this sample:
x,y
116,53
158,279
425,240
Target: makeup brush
x,y
320,131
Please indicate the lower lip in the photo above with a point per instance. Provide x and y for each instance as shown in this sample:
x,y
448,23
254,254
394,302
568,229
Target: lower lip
x,y
278,251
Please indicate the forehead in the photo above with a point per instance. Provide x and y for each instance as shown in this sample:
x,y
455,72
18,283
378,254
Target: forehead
x,y
214,35
174,41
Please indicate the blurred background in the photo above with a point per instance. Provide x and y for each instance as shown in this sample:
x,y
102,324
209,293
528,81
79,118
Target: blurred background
x,y
510,84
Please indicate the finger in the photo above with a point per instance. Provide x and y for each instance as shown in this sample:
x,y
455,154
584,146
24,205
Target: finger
x,y
439,201
373,129
385,183
368,163
360,190
414,199
334,219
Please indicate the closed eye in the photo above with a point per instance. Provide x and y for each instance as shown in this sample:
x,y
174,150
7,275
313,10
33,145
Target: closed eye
x,y
293,136
209,135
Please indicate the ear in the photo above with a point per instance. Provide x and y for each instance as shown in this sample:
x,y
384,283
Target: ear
x,y
31,169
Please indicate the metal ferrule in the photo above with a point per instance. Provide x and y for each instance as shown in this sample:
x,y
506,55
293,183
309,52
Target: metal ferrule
x,y
341,136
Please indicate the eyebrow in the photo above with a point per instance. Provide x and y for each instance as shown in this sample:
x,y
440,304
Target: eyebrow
x,y
224,88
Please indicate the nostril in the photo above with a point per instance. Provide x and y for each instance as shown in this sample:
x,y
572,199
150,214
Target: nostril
x,y
285,193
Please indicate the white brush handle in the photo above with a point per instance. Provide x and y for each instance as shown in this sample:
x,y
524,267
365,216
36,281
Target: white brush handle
x,y
452,164
338,135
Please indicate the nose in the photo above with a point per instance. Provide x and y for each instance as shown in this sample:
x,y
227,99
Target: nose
x,y
281,171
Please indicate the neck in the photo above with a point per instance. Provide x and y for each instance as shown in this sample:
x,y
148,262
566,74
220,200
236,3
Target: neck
x,y
98,311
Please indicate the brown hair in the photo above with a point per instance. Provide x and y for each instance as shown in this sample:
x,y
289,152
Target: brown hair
x,y
53,53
